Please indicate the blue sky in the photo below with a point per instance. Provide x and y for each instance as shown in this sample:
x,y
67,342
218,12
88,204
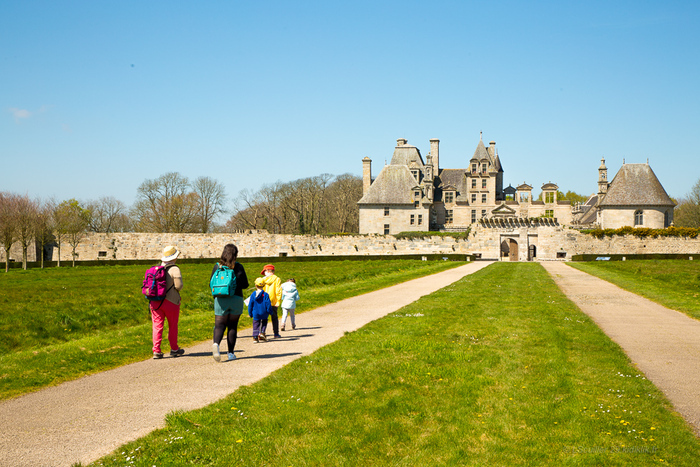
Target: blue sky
x,y
96,97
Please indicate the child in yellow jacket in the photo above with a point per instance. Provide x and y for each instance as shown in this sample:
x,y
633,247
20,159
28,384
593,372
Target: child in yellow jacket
x,y
273,287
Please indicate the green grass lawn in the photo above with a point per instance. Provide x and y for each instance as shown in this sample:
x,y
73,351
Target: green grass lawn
x,y
498,369
62,323
674,284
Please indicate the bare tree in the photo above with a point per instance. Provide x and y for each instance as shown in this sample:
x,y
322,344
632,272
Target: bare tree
x,y
71,224
211,198
8,231
343,195
26,223
44,228
107,215
165,205
687,213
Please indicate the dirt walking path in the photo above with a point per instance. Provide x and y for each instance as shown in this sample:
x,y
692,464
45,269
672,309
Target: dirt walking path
x,y
85,419
663,343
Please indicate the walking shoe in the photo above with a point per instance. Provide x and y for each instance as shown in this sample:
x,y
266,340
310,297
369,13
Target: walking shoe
x,y
277,336
231,356
282,328
294,326
157,355
215,352
256,340
177,353
262,337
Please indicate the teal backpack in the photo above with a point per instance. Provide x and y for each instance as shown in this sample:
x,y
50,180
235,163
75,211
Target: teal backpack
x,y
223,282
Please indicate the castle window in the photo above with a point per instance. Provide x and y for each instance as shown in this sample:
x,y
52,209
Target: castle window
x,y
483,168
483,198
386,211
549,197
449,216
473,182
473,215
416,203
483,183
413,219
414,172
420,219
666,222
473,198
638,217
416,194
473,168
549,213
101,254
483,213
449,196
386,229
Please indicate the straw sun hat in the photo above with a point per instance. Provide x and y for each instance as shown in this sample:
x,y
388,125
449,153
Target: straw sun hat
x,y
170,252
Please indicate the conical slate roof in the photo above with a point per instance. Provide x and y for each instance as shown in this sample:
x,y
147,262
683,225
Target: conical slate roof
x,y
636,185
393,185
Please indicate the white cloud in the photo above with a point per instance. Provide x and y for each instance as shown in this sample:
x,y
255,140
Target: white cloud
x,y
20,113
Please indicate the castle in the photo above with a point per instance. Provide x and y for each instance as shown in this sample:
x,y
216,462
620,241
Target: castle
x,y
412,195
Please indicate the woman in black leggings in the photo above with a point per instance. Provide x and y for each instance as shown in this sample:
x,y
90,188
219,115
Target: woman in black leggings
x,y
228,309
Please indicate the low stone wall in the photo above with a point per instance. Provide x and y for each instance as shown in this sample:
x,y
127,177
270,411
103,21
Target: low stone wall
x,y
550,243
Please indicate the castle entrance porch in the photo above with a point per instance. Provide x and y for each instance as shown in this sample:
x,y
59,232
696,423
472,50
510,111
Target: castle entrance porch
x,y
509,249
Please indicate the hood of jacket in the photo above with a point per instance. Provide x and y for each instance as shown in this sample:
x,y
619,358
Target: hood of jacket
x,y
289,287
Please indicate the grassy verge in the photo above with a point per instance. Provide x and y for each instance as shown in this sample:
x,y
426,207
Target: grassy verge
x,y
60,324
496,369
674,284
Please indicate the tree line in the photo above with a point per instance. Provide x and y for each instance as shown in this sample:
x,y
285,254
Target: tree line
x,y
172,203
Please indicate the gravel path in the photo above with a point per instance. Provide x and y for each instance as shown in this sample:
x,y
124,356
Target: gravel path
x,y
85,419
663,343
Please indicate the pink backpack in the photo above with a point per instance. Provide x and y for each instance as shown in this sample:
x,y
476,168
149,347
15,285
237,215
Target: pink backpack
x,y
154,283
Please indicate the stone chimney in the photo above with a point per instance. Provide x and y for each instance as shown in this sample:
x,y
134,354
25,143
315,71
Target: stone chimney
x,y
401,142
602,178
492,148
366,174
435,154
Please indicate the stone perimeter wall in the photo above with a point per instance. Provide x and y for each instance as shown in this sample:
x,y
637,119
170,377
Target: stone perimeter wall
x,y
551,243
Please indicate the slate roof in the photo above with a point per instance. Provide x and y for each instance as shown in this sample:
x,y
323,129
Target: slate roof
x,y
636,185
393,185
481,153
404,155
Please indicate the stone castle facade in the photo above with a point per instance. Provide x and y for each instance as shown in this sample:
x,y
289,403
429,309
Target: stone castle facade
x,y
410,194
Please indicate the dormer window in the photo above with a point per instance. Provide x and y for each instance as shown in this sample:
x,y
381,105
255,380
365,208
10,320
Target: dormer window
x,y
473,168
483,168
549,197
414,172
416,194
449,197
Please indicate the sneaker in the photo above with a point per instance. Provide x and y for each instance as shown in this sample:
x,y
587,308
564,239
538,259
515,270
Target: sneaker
x,y
282,328
262,337
294,326
177,353
256,340
215,352
231,356
157,355
277,336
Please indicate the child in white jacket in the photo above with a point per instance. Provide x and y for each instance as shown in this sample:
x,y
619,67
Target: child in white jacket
x,y
290,295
